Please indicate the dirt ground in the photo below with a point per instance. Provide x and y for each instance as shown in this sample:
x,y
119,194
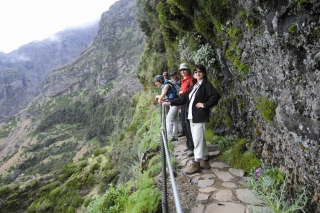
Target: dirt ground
x,y
187,191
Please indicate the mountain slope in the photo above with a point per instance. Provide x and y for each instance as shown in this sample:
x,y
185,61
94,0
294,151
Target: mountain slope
x,y
23,71
88,98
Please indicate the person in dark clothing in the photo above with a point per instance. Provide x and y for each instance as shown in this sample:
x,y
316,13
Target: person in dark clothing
x,y
186,82
199,99
175,80
165,75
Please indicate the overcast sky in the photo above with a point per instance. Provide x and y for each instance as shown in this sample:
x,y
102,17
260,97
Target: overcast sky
x,y
23,21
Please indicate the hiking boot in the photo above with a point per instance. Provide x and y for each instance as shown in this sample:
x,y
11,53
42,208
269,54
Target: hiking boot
x,y
181,135
190,153
204,164
185,150
174,138
195,168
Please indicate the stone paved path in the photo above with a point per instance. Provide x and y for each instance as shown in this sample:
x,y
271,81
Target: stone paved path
x,y
222,189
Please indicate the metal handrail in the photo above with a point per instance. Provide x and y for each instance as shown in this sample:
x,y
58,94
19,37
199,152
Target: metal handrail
x,y
165,155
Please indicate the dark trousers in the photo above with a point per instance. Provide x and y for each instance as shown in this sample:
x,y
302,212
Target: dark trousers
x,y
186,128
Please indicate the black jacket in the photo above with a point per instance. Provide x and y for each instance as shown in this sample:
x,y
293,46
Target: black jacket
x,y
206,94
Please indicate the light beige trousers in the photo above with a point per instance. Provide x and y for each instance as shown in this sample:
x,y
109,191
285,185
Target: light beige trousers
x,y
200,145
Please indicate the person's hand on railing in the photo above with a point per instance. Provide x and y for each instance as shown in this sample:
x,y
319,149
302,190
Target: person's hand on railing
x,y
166,103
157,99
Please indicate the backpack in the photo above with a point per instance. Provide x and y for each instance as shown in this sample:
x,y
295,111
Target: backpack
x,y
176,85
172,92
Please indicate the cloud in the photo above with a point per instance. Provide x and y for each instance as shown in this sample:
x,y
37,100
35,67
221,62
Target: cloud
x,y
23,21
20,58
54,38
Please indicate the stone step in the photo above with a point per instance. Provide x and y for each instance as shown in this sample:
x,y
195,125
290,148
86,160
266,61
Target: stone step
x,y
221,189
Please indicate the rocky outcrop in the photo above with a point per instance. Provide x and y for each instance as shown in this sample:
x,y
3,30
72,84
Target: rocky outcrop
x,y
283,56
113,55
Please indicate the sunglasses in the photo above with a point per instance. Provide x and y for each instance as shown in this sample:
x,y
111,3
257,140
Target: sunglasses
x,y
164,75
183,70
198,71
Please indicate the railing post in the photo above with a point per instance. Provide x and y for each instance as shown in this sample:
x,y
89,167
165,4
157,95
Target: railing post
x,y
163,160
164,177
165,155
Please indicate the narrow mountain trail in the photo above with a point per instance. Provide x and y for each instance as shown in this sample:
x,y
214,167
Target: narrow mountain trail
x,y
221,189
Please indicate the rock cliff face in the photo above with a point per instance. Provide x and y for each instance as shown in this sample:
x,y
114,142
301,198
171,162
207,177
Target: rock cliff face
x,y
113,55
23,71
283,55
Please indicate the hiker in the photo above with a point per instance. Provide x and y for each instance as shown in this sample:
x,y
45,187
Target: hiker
x,y
168,93
175,80
186,82
165,75
198,99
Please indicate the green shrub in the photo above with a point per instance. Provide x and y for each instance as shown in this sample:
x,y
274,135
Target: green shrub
x,y
267,108
121,137
81,165
7,128
300,2
203,25
71,209
90,180
112,201
44,190
94,167
293,29
55,192
78,201
151,164
230,54
102,187
239,157
87,202
244,68
229,122
234,32
144,201
68,170
248,19
132,127
4,191
45,206
154,170
270,185
13,195
174,162
73,183
32,208
96,152
224,142
34,183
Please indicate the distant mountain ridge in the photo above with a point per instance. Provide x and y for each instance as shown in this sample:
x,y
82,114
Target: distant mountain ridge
x,y
23,70
93,95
